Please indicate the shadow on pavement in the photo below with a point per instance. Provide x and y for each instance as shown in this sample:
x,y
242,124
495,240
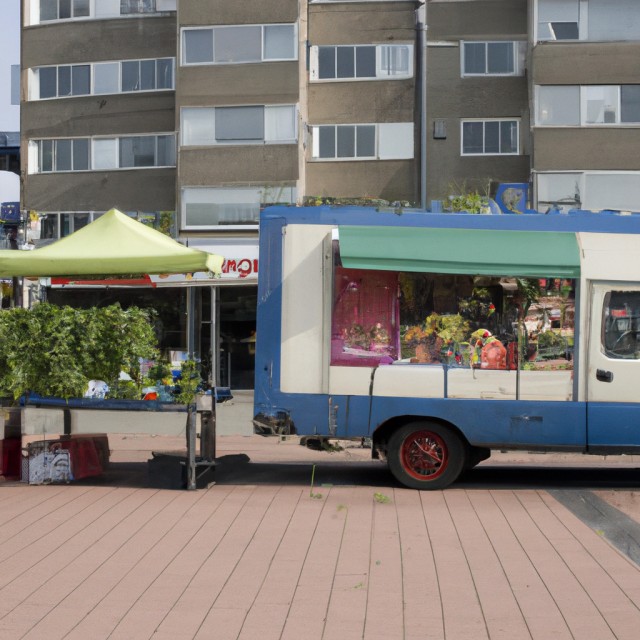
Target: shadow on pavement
x,y
238,469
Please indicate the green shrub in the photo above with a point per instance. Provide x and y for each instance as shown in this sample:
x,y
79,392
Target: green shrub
x,y
55,351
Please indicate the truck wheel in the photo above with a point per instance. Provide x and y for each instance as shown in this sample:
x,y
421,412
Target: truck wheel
x,y
426,455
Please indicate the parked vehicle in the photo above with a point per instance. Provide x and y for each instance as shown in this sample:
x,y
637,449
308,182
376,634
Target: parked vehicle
x,y
439,337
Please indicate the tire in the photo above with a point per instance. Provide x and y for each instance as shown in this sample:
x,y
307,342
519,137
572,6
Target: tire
x,y
426,455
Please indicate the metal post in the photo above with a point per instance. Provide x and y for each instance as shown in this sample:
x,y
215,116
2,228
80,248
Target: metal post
x,y
422,69
191,414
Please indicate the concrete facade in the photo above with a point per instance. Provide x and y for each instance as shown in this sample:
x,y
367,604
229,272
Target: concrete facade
x,y
96,115
452,98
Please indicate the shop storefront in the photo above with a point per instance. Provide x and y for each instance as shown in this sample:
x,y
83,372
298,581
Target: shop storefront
x,y
225,307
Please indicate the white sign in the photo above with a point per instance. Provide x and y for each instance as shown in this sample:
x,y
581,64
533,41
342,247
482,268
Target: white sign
x,y
240,263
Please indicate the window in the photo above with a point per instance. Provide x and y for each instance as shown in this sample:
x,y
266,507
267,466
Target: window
x,y
204,207
363,141
137,6
601,105
490,137
86,154
64,81
63,9
592,190
558,19
103,77
558,105
203,126
593,20
493,58
588,105
380,317
621,325
51,10
361,62
239,44
630,103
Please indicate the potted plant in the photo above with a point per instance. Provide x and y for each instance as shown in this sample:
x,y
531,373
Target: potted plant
x,y
438,338
356,337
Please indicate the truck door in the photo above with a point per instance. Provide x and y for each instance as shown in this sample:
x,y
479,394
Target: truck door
x,y
613,367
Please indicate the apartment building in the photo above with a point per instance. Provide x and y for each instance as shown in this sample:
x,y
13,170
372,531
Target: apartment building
x,y
544,92
585,94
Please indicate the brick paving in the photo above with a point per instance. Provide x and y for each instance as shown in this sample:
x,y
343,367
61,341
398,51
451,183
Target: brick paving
x,y
263,555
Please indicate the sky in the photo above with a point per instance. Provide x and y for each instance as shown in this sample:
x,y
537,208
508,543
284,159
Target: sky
x,y
9,55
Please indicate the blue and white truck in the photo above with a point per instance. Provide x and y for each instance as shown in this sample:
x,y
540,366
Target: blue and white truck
x,y
439,337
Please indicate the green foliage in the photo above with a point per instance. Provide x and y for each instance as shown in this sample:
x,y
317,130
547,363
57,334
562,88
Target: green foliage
x,y
362,201
160,371
528,292
451,328
55,351
190,380
462,198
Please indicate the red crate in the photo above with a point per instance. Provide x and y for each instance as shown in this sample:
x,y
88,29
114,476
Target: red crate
x,y
10,457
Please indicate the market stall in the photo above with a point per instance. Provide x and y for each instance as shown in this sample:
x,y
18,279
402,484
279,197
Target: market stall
x,y
115,244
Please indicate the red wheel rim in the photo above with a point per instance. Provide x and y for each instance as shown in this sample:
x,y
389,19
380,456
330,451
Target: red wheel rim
x,y
424,455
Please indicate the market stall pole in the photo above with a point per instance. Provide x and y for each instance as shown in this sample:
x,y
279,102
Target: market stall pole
x,y
191,414
116,244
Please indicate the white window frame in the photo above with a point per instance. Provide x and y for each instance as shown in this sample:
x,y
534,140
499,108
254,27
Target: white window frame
x,y
34,78
582,116
518,62
212,28
34,147
314,63
484,121
264,141
393,141
582,187
582,22
98,10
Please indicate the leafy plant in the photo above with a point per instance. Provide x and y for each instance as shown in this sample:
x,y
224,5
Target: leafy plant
x,y
55,351
462,198
159,372
190,381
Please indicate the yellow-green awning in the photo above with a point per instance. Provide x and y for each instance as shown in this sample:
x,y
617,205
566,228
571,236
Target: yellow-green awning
x,y
461,251
113,244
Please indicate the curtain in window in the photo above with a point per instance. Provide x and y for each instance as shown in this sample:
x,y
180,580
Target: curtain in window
x,y
104,153
239,123
198,127
198,45
279,123
237,44
394,60
558,105
279,42
106,77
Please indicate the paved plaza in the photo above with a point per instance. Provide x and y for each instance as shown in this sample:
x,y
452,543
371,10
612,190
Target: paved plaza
x,y
522,547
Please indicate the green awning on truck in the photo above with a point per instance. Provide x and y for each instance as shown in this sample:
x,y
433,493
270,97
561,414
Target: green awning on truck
x,y
460,251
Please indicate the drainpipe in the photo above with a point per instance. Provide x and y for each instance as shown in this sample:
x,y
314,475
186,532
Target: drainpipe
x,y
422,69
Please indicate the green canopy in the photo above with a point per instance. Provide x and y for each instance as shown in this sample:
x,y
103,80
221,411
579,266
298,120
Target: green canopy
x,y
113,244
461,251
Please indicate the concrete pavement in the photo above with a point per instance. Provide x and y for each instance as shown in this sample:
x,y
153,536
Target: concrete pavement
x,y
265,554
